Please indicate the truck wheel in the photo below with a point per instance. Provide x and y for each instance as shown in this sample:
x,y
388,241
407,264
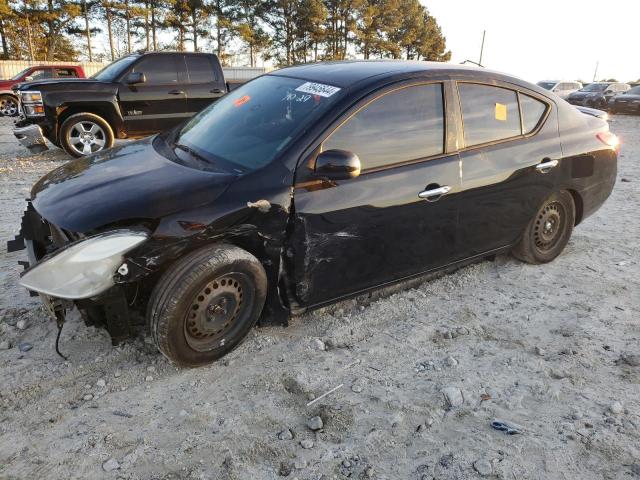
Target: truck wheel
x,y
206,303
8,105
549,231
85,133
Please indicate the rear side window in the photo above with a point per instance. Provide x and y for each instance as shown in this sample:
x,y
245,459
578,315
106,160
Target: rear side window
x,y
66,72
406,124
200,69
158,69
532,112
488,113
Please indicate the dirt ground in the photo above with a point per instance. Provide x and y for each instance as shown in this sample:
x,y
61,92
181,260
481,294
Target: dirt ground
x,y
423,372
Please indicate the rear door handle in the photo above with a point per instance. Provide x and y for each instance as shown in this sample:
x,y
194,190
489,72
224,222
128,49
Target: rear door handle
x,y
176,92
434,194
544,167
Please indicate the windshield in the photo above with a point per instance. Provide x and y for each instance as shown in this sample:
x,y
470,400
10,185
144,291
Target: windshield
x,y
251,125
596,87
111,71
546,85
18,75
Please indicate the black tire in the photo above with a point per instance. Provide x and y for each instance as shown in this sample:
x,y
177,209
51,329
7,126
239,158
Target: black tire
x,y
8,106
549,231
205,304
85,130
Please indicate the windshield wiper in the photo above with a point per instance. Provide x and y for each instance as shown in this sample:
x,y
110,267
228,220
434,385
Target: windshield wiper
x,y
191,152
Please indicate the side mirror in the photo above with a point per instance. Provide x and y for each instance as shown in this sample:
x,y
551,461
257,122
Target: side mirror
x,y
337,165
28,78
134,78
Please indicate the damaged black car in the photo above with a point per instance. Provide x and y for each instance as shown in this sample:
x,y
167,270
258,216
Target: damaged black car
x,y
306,186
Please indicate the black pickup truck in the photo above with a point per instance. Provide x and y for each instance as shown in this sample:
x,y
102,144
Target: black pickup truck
x,y
138,95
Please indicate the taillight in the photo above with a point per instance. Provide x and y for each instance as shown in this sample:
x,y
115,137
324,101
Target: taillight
x,y
609,139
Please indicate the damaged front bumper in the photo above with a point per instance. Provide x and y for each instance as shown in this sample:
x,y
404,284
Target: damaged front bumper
x,y
43,241
31,137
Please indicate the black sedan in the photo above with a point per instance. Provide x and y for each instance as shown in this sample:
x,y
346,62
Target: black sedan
x,y
628,102
307,186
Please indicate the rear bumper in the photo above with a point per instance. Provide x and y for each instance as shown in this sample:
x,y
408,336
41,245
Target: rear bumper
x,y
31,137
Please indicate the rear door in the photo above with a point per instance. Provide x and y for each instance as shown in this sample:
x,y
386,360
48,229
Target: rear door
x,y
354,234
203,81
160,102
510,163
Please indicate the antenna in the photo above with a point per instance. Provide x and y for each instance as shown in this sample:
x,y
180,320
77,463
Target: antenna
x,y
595,73
484,32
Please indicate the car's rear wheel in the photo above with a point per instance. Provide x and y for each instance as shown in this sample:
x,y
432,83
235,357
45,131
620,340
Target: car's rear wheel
x,y
549,231
85,133
8,105
206,303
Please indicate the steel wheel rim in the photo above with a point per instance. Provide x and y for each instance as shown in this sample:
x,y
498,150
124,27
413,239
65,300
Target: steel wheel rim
x,y
8,107
549,226
214,311
87,137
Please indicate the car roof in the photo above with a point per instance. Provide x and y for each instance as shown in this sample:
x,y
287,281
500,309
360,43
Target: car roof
x,y
347,73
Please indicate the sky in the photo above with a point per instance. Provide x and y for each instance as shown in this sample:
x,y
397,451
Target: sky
x,y
545,39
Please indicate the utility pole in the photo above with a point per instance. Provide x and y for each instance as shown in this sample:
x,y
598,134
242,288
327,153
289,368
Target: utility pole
x,y
482,47
595,73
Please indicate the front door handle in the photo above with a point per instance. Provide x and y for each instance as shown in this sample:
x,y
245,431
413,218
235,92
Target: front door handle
x,y
544,167
216,90
176,92
434,194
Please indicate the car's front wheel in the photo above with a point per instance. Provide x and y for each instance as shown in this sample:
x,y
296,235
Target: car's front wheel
x,y
8,105
549,231
206,303
85,133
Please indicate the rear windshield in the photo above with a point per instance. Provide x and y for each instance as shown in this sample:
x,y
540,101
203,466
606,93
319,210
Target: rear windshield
x,y
546,85
249,126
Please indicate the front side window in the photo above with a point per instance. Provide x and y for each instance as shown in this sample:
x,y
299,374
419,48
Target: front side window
x,y
488,113
200,69
40,74
406,124
532,112
158,69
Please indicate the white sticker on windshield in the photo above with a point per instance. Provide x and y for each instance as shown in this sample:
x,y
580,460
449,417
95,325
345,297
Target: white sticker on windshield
x,y
317,89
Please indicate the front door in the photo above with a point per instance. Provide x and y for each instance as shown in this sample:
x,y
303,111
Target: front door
x,y
157,104
354,234
510,164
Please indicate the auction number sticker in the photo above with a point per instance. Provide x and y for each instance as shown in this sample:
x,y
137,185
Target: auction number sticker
x,y
318,89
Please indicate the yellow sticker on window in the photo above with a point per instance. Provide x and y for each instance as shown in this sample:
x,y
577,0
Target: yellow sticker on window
x,y
501,112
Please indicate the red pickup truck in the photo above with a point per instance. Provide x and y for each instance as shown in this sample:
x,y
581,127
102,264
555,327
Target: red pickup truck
x,y
8,99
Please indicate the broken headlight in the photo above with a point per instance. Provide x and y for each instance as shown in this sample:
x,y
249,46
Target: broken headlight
x,y
84,269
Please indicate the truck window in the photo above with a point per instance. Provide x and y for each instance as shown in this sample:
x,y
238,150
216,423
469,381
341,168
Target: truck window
x,y
158,69
200,69
40,73
66,72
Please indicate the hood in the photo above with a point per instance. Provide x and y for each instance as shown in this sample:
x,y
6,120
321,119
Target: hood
x,y
130,182
6,84
63,83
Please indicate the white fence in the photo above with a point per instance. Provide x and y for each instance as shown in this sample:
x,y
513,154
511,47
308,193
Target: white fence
x,y
9,68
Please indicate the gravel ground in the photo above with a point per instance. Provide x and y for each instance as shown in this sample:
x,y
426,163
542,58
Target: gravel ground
x,y
424,370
